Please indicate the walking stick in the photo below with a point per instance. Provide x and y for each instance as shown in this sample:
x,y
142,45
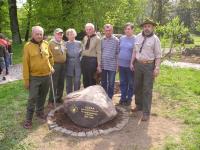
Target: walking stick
x,y
52,87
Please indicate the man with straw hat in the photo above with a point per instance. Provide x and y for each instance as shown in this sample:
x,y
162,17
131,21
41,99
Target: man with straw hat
x,y
145,62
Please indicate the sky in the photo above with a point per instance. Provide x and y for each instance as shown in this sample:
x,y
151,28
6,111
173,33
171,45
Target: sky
x,y
20,3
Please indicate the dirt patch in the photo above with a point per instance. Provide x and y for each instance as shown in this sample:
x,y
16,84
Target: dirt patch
x,y
64,121
189,59
136,135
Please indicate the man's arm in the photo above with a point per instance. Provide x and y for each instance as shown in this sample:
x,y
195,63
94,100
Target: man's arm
x,y
133,59
158,55
26,69
98,49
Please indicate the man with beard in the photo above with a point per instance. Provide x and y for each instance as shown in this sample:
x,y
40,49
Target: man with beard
x,y
145,62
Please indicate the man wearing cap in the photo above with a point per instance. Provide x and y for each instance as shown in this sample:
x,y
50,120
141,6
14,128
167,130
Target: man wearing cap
x,y
37,66
58,49
145,62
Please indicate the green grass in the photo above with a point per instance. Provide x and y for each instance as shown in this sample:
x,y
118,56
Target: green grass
x,y
17,53
180,94
12,111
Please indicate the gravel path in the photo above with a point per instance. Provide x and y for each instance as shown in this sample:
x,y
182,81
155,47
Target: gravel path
x,y
181,64
15,73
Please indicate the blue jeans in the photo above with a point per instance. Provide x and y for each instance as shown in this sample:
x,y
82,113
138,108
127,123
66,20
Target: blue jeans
x,y
108,82
126,83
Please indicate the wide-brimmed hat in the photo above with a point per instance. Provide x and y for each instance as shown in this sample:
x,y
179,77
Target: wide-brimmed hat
x,y
148,21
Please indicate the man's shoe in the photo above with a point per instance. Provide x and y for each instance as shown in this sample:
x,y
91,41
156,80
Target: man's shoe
x,y
50,105
145,117
41,115
4,78
127,103
27,124
136,109
121,103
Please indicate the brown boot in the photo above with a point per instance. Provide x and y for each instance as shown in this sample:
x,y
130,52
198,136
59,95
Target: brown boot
x,y
41,116
50,105
145,117
27,124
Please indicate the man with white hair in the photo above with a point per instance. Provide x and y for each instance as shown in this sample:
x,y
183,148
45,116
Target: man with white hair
x,y
37,66
91,55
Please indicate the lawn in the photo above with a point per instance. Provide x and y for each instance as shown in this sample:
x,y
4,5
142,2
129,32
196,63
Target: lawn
x,y
180,92
17,53
180,98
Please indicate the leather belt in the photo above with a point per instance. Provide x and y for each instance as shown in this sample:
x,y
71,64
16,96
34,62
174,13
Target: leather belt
x,y
145,61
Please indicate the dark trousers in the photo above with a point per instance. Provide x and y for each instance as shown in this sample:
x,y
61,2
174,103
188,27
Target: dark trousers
x,y
38,90
89,68
108,82
143,86
126,84
58,82
72,83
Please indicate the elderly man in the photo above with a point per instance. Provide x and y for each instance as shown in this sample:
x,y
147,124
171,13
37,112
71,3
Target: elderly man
x,y
146,63
91,56
37,66
58,49
110,50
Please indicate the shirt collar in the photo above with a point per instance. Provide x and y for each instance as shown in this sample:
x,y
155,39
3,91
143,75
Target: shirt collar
x,y
104,37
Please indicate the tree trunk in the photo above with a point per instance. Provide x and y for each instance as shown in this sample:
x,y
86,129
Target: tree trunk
x,y
28,20
160,11
14,21
1,15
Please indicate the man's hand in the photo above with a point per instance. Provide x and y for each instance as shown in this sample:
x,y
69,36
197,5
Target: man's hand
x,y
52,70
156,72
26,86
117,70
99,69
132,67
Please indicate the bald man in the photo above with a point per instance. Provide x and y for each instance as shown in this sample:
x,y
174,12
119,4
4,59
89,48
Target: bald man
x,y
37,66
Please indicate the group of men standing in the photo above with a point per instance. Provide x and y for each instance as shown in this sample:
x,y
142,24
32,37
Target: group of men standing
x,y
137,58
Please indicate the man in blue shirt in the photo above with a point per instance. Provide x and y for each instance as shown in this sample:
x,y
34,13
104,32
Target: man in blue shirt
x,y
126,75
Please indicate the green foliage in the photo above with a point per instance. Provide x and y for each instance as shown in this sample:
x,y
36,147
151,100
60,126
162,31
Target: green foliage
x,y
176,31
75,14
198,26
4,18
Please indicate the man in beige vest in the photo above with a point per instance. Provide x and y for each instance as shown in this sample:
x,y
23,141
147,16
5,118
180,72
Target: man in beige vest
x,y
58,49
